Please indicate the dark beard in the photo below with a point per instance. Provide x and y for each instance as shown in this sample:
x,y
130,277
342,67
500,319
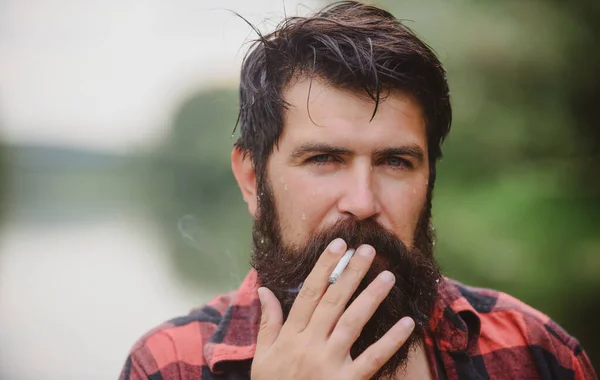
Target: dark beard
x,y
282,268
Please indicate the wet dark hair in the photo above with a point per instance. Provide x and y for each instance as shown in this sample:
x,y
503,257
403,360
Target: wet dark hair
x,y
351,46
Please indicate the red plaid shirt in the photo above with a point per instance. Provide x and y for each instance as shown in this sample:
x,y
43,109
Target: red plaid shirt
x,y
475,333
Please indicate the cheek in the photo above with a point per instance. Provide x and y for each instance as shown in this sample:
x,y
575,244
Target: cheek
x,y
302,205
402,204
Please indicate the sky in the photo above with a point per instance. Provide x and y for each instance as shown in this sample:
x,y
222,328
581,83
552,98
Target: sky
x,y
108,74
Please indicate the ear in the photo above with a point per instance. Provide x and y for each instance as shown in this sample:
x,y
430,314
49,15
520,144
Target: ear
x,y
244,174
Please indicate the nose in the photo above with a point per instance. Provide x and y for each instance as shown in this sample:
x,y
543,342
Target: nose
x,y
359,199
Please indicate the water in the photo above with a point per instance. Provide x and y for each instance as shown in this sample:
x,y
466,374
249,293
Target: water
x,y
76,296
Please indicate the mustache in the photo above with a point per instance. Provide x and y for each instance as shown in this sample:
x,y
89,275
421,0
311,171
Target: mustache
x,y
356,233
298,261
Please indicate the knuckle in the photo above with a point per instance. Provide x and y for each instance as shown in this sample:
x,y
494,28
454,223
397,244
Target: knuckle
x,y
331,300
377,361
323,264
370,364
349,322
308,292
356,271
264,326
350,327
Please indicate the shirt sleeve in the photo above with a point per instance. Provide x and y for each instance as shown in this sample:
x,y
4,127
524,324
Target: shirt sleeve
x,y
583,367
140,365
132,370
152,357
569,353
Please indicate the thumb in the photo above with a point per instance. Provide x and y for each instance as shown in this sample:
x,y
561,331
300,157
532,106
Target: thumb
x,y
271,319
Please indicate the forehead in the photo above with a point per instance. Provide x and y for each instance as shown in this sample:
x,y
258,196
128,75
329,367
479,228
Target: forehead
x,y
317,110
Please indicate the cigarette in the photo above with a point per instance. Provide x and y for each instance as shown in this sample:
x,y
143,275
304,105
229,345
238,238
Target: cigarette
x,y
341,266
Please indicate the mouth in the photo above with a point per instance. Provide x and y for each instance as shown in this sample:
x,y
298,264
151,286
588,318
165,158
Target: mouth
x,y
379,265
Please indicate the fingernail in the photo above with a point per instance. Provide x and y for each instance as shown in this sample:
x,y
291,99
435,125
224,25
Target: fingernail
x,y
386,276
261,293
408,323
337,246
366,250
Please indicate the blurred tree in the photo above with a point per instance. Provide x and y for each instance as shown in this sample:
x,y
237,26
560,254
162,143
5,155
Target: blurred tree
x,y
517,203
4,179
191,189
582,76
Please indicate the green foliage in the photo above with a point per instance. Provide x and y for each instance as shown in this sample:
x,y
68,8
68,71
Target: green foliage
x,y
189,186
517,201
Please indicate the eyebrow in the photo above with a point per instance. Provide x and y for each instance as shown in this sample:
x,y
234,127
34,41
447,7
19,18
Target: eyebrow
x,y
309,148
411,150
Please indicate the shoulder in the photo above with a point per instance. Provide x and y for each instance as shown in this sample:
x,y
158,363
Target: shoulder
x,y
176,346
507,324
501,312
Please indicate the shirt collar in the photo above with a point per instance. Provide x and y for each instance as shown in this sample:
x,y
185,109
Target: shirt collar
x,y
453,324
235,336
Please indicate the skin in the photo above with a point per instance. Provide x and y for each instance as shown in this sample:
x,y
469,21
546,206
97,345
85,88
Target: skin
x,y
338,164
314,194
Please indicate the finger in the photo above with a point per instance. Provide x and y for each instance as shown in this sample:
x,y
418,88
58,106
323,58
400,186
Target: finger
x,y
374,357
271,319
336,298
356,316
314,287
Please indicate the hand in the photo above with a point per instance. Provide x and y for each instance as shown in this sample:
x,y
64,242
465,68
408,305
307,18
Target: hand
x,y
315,341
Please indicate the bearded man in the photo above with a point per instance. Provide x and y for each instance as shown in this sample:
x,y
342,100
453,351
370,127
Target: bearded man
x,y
342,118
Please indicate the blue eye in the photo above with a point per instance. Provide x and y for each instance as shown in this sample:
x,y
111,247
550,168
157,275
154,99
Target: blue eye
x,y
397,162
320,159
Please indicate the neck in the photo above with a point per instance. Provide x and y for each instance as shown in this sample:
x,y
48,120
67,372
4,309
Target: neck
x,y
417,366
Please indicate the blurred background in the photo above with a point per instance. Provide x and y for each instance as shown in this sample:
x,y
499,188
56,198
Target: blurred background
x,y
118,209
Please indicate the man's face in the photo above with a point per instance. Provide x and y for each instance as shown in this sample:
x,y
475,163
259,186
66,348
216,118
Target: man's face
x,y
335,162
335,173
